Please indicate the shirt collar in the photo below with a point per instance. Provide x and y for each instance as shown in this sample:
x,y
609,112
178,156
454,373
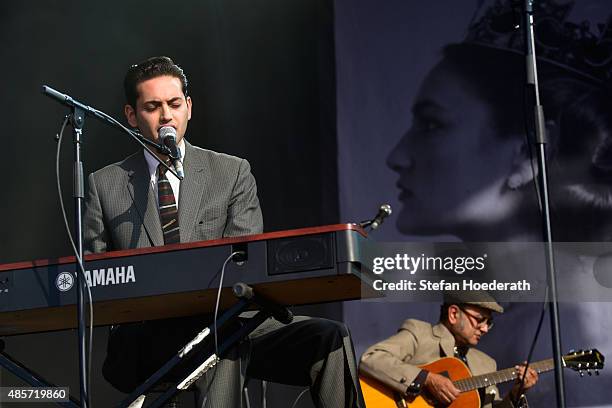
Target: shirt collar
x,y
152,162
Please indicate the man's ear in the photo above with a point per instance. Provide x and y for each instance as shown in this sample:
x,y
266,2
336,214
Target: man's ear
x,y
189,105
130,115
453,314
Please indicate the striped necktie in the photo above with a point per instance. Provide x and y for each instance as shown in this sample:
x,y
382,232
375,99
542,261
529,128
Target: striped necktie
x,y
168,211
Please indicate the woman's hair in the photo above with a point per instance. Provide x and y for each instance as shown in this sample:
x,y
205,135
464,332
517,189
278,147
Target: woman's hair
x,y
578,114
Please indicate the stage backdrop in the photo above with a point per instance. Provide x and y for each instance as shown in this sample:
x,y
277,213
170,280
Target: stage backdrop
x,y
431,120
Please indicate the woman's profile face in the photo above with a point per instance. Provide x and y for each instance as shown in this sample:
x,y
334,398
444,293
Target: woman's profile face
x,y
452,164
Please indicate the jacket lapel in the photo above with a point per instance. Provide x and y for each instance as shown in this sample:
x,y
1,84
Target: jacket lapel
x,y
473,361
139,186
447,341
191,192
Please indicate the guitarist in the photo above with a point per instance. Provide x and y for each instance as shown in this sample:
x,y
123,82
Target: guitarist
x,y
465,317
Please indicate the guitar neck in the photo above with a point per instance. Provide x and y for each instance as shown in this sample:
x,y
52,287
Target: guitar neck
x,y
509,374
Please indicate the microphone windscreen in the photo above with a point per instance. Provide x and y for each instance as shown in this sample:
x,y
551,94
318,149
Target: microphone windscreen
x,y
167,131
386,208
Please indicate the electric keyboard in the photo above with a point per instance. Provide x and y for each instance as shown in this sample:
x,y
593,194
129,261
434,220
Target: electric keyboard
x,y
294,267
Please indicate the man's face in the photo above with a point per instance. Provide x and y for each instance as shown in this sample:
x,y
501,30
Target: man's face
x,y
468,323
160,102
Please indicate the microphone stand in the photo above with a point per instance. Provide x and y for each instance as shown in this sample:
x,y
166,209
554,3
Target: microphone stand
x,y
77,121
540,133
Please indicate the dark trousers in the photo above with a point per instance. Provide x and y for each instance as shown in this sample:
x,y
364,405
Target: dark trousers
x,y
309,352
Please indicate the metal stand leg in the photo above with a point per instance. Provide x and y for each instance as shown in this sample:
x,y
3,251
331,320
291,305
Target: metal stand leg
x,y
32,378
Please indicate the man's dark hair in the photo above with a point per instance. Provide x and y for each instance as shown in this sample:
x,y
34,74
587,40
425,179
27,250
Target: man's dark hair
x,y
444,310
151,68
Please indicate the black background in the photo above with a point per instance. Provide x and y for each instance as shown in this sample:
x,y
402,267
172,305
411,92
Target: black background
x,y
263,87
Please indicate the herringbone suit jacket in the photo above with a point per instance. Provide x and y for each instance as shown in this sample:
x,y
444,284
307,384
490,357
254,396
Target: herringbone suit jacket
x,y
217,198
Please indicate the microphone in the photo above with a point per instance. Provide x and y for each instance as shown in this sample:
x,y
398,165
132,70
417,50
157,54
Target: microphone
x,y
383,212
67,100
167,135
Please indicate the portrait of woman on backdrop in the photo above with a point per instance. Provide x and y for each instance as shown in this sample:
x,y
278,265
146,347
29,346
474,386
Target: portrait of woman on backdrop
x,y
466,167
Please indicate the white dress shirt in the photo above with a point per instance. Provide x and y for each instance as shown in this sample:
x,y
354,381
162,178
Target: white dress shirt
x,y
152,164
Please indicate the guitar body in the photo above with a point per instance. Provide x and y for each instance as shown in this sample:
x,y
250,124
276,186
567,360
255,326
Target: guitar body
x,y
377,395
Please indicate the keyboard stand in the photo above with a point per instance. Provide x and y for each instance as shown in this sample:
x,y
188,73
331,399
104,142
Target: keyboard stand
x,y
200,351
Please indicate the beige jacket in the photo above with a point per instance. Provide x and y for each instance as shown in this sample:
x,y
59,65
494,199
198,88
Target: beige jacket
x,y
395,361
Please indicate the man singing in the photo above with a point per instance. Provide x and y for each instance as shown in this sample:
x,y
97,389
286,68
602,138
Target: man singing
x,y
136,203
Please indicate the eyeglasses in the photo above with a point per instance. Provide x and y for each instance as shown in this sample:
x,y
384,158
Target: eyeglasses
x,y
480,320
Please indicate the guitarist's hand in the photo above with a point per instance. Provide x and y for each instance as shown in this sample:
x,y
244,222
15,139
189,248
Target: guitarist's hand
x,y
530,379
441,388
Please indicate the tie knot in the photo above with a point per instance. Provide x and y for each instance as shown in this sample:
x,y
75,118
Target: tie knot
x,y
161,169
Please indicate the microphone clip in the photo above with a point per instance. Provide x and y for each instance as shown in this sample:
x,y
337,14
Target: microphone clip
x,y
383,212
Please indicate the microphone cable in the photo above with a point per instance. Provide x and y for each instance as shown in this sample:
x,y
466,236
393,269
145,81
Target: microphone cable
x,y
532,347
300,395
80,280
216,312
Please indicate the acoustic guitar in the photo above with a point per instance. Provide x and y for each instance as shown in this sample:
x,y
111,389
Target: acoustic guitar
x,y
377,395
